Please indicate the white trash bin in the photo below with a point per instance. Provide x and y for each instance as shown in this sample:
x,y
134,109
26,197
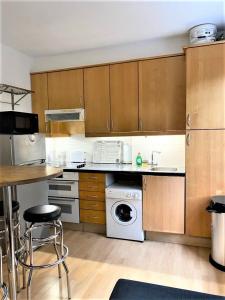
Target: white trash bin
x,y
217,210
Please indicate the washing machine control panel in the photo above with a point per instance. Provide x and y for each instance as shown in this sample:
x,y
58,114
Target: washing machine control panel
x,y
124,193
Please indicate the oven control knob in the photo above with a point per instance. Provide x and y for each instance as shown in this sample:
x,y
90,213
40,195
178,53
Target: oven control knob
x,y
128,195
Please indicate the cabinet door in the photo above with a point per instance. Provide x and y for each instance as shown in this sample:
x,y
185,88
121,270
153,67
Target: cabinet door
x,y
124,97
97,104
163,204
40,98
65,89
206,87
205,177
162,94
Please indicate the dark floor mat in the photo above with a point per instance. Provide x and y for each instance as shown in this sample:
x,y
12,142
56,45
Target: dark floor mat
x,y
135,290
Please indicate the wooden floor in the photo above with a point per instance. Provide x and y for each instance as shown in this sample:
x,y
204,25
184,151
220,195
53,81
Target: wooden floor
x,y
96,263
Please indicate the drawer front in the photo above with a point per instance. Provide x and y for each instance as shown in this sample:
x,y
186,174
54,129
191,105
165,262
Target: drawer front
x,y
94,177
93,196
92,216
92,186
94,205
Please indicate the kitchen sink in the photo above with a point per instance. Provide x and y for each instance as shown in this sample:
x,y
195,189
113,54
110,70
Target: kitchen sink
x,y
163,169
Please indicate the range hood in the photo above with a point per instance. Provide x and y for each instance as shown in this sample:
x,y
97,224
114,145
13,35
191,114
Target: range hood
x,y
64,115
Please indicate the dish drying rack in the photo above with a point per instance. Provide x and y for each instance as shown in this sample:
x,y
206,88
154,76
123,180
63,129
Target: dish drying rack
x,y
13,91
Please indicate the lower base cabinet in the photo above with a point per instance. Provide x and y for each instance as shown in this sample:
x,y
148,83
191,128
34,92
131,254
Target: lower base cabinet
x,y
92,198
92,216
205,177
164,203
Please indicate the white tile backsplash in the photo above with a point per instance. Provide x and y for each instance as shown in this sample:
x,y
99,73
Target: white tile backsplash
x,y
172,148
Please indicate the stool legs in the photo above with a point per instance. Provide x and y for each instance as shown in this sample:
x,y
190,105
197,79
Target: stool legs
x,y
64,264
25,257
2,284
57,252
61,251
31,265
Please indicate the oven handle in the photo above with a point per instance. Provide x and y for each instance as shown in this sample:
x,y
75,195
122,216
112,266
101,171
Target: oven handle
x,y
58,181
51,198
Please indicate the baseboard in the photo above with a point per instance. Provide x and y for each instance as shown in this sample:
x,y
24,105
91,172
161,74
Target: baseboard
x,y
86,227
151,236
178,239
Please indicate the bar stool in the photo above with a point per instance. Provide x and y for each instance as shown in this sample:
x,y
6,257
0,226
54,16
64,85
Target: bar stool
x,y
3,287
17,241
37,218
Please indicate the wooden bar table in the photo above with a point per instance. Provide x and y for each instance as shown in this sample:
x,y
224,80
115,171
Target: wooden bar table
x,y
11,176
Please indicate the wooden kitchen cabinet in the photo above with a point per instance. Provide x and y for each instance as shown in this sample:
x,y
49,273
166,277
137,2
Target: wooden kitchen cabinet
x,y
162,97
205,68
40,99
65,89
65,129
163,203
92,216
205,177
93,177
92,197
124,97
97,101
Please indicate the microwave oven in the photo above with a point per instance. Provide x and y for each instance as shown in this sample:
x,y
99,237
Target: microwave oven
x,y
14,122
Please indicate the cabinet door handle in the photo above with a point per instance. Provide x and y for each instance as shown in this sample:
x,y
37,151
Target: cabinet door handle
x,y
188,121
144,183
81,100
47,127
112,124
188,138
108,128
140,124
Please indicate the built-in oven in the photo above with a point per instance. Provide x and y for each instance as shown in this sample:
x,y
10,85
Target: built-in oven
x,y
69,208
63,191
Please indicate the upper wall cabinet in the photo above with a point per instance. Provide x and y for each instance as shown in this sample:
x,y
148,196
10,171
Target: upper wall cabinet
x,y
124,97
65,89
162,94
206,87
40,98
97,102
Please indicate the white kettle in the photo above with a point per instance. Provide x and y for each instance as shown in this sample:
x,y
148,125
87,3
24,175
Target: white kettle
x,y
127,154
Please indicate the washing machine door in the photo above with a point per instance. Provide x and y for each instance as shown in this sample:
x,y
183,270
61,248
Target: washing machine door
x,y
123,213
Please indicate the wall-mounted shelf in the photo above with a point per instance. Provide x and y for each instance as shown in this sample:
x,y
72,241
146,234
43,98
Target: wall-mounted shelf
x,y
13,91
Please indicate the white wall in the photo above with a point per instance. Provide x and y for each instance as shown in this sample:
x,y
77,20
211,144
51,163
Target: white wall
x,y
172,148
15,70
109,54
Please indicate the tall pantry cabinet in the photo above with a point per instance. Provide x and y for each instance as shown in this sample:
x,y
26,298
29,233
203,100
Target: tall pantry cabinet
x,y
205,135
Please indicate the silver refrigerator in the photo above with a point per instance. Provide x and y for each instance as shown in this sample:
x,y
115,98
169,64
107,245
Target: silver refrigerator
x,y
25,150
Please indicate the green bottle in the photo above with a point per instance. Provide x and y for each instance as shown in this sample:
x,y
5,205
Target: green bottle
x,y
139,159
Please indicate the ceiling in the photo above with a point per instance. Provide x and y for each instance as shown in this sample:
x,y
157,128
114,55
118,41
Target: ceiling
x,y
41,28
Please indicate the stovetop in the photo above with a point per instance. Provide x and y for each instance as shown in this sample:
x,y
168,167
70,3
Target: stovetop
x,y
74,165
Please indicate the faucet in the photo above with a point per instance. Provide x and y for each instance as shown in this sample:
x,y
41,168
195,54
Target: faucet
x,y
154,161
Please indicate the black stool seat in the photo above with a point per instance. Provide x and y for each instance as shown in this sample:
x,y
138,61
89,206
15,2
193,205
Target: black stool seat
x,y
15,207
42,213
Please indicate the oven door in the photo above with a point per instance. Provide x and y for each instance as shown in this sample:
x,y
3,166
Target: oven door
x,y
63,188
69,208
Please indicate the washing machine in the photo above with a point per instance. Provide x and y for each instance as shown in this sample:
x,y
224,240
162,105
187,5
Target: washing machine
x,y
124,212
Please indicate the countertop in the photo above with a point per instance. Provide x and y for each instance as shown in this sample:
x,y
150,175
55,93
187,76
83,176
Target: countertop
x,y
15,175
129,168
